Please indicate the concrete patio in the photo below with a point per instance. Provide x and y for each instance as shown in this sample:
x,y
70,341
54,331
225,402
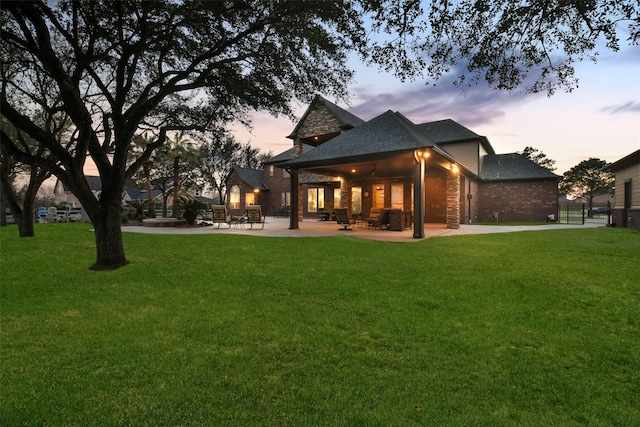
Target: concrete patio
x,y
279,227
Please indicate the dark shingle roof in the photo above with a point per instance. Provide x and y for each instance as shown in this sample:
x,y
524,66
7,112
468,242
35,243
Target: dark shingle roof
x,y
287,155
95,183
136,194
388,133
507,167
625,162
252,177
447,131
347,120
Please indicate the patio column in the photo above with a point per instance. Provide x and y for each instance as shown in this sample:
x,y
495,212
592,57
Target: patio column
x,y
418,198
453,200
345,195
295,199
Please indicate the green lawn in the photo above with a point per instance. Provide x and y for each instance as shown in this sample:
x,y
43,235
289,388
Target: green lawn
x,y
531,328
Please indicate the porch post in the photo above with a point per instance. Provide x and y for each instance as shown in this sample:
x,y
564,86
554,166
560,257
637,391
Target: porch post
x,y
295,201
345,195
418,199
453,200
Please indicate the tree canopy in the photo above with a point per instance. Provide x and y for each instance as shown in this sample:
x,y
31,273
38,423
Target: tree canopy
x,y
115,69
538,157
587,178
508,44
118,69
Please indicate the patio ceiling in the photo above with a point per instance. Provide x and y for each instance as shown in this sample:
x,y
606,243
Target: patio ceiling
x,y
396,165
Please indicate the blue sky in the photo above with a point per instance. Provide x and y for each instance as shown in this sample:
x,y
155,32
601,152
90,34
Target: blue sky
x,y
601,118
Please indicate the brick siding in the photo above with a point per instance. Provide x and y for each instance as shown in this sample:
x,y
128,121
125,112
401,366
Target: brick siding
x,y
529,201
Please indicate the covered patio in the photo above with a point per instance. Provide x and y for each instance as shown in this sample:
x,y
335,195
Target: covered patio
x,y
366,160
279,227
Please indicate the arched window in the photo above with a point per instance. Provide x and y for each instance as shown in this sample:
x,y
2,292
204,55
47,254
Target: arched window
x,y
234,197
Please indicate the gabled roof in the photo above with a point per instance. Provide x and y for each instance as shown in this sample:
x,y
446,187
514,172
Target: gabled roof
x,y
625,162
511,167
136,194
287,155
346,119
388,133
447,131
95,183
251,177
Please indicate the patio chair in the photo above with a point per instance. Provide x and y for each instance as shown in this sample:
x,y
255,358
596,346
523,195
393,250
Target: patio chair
x,y
378,218
254,216
343,217
220,215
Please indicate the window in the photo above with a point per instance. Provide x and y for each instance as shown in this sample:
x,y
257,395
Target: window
x,y
285,174
271,170
336,198
285,199
356,200
249,199
234,197
315,199
397,195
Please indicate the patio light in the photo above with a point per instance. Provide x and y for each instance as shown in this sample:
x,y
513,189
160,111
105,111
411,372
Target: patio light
x,y
454,168
419,155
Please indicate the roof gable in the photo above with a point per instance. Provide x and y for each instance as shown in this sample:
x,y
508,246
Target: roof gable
x,y
251,177
448,131
388,133
344,119
625,162
514,166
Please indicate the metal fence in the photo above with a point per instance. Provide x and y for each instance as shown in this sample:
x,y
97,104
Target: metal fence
x,y
579,213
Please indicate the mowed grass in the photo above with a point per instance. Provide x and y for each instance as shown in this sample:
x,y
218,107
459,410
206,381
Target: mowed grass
x,y
529,328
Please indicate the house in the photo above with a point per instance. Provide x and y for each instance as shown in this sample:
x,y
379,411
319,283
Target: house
x,y
435,172
246,188
626,205
62,194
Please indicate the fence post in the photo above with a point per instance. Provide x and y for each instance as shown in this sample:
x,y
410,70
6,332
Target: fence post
x,y
583,214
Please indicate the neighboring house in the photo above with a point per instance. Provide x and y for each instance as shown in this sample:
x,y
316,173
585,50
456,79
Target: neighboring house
x,y
626,205
246,187
437,172
64,195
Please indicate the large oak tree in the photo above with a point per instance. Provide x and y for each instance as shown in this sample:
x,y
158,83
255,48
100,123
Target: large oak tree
x,y
121,68
118,69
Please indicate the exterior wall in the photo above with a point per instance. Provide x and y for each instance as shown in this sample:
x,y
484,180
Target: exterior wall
x,y
528,201
278,183
625,175
319,121
467,154
260,199
628,216
472,206
435,199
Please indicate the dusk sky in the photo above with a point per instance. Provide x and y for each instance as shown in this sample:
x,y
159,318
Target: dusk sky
x,y
601,118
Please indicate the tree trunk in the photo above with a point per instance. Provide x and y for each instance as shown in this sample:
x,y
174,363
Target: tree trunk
x,y
25,218
109,246
3,210
176,188
150,205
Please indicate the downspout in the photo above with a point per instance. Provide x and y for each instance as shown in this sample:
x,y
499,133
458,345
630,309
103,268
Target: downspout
x,y
469,197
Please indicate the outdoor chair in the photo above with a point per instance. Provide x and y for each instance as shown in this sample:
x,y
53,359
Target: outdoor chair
x,y
343,217
254,216
220,215
379,218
